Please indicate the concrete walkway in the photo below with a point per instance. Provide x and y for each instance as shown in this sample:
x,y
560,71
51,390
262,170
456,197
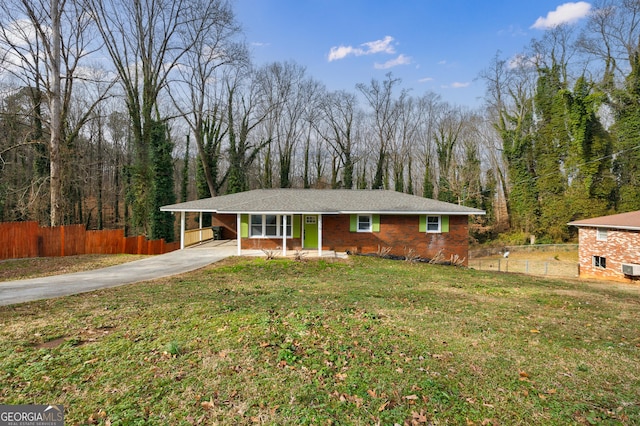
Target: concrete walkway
x,y
164,265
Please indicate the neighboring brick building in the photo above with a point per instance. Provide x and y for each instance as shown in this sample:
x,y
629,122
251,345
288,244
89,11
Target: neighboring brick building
x,y
363,221
606,244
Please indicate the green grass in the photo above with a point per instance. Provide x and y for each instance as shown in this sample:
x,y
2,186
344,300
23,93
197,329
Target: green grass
x,y
362,341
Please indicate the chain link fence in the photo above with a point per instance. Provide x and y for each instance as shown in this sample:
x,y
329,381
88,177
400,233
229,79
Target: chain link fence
x,y
492,259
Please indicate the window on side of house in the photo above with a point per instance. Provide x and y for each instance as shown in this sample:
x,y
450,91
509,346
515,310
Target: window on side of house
x,y
601,234
433,224
365,223
599,262
270,226
256,226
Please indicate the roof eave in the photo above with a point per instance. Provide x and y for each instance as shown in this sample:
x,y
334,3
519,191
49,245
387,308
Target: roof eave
x,y
591,225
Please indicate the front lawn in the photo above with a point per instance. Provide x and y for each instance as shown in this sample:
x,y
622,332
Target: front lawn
x,y
359,341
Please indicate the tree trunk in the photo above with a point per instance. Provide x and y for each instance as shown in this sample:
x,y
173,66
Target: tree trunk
x,y
56,122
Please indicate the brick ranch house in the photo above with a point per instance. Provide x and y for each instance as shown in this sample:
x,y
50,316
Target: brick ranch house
x,y
609,247
340,220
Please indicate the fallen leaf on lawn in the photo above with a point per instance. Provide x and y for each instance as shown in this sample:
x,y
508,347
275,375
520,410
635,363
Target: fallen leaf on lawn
x,y
419,417
207,405
411,397
541,396
524,374
551,391
372,393
264,344
534,331
383,406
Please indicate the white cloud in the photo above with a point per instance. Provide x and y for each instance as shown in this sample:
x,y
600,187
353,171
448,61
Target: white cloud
x,y
567,13
400,60
341,52
458,85
425,80
377,46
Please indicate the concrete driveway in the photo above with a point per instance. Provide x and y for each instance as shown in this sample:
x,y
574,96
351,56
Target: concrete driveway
x,y
173,263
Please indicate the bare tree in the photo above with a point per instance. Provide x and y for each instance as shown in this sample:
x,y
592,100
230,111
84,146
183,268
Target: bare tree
x,y
612,36
289,94
384,108
147,40
44,52
339,110
202,102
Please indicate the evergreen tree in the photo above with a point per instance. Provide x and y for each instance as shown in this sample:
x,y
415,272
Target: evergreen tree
x,y
185,175
591,183
163,188
627,132
551,142
427,182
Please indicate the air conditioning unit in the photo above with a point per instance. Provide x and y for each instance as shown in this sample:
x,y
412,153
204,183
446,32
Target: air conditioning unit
x,y
631,269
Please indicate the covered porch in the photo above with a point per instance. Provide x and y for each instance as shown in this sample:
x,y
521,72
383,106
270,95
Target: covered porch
x,y
289,233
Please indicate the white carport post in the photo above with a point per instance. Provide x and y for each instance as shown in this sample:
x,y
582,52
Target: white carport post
x,y
284,235
182,227
200,225
239,233
319,235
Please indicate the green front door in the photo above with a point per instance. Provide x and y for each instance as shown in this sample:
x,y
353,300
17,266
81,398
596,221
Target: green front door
x,y
310,231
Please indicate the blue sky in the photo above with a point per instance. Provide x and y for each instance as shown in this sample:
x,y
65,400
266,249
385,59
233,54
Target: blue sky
x,y
432,45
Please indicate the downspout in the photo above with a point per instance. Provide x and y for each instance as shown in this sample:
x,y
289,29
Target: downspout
x,y
239,233
320,235
284,235
182,228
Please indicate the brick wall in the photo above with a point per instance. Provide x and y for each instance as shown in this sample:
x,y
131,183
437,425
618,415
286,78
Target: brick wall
x,y
620,247
398,232
228,223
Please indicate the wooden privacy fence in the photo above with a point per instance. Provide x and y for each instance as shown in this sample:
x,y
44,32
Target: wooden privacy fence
x,y
28,239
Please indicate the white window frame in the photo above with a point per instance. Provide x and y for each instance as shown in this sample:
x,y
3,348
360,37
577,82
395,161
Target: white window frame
x,y
439,224
263,226
598,262
602,234
369,218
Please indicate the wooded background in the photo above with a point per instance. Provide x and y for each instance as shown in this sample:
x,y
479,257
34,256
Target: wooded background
x,y
173,110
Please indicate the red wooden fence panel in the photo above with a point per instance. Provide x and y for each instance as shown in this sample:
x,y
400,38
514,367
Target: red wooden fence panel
x,y
18,240
74,240
104,242
27,239
50,242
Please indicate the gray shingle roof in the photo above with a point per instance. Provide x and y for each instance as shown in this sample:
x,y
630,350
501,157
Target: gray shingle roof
x,y
326,201
629,221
